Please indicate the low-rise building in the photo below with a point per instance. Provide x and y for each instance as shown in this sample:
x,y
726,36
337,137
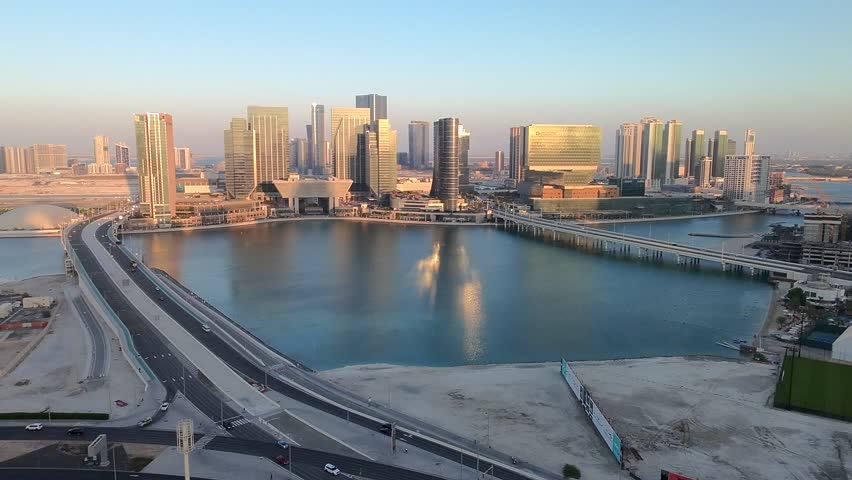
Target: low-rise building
x,y
37,302
821,292
415,203
824,228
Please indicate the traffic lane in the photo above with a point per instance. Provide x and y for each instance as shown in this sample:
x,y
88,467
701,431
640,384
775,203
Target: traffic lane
x,y
81,474
114,434
167,368
99,344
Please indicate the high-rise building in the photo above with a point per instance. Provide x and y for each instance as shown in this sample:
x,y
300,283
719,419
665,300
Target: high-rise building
x,y
378,105
346,124
653,158
516,154
183,158
732,147
16,160
48,157
694,153
499,162
316,138
101,149
748,146
445,172
574,151
464,160
375,164
418,143
122,154
402,159
684,166
155,155
720,150
272,136
240,159
704,172
746,178
299,154
671,144
628,150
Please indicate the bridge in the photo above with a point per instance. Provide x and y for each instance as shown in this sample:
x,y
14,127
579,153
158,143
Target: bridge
x,y
607,241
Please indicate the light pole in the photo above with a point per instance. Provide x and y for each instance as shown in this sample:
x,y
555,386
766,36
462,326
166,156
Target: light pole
x,y
185,443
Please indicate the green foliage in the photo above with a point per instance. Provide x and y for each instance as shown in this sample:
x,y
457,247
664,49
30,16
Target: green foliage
x,y
796,296
570,471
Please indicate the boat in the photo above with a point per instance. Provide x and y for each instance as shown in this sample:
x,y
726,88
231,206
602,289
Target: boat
x,y
740,341
728,345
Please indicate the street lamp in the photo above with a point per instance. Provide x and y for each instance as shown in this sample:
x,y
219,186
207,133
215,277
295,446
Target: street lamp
x,y
185,443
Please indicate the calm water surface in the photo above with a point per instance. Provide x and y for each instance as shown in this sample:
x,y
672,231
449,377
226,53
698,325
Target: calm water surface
x,y
22,258
335,293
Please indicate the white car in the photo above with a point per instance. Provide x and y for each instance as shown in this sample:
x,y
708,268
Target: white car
x,y
164,406
330,468
35,427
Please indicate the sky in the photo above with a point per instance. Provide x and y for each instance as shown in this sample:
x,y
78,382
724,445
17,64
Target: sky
x,y
72,70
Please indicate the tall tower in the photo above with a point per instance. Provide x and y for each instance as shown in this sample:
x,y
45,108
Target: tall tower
x,y
748,146
418,143
516,153
720,149
49,156
445,176
272,150
346,124
628,150
653,160
316,138
694,153
671,144
378,105
464,159
101,149
240,159
122,154
155,154
183,158
499,162
375,166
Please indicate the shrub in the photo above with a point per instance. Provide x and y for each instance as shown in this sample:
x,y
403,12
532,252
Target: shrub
x,y
570,471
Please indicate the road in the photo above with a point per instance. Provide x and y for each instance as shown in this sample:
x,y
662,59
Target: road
x,y
168,368
306,463
65,474
100,348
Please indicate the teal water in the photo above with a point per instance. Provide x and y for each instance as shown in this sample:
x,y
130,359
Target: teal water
x,y
22,258
335,293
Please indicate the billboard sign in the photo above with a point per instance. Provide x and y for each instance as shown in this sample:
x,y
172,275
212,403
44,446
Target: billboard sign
x,y
601,424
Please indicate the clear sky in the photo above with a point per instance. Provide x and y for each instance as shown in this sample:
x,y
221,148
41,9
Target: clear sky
x,y
75,69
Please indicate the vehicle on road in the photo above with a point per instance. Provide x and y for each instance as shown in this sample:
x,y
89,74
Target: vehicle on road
x,y
330,468
75,431
158,288
164,406
283,444
280,460
162,298
205,328
144,422
386,428
91,462
228,425
121,403
34,427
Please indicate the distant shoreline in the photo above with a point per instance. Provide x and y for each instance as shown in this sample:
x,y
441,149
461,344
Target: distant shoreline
x,y
300,219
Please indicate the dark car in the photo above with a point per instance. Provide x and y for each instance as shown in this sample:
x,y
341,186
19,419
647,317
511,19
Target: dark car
x,y
228,425
280,460
162,298
75,431
386,428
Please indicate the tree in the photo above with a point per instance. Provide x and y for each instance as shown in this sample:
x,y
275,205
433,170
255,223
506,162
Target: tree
x,y
796,296
570,471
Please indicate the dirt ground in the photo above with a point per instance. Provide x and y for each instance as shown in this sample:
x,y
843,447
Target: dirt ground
x,y
700,416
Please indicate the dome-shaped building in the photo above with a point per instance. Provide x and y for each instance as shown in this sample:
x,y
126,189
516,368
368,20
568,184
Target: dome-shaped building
x,y
36,217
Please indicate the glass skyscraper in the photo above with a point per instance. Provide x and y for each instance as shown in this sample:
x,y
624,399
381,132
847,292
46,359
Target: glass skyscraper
x,y
720,149
418,144
445,175
346,124
240,159
573,150
272,141
378,105
155,154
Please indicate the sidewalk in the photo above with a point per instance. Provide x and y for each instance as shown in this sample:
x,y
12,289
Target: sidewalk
x,y
225,379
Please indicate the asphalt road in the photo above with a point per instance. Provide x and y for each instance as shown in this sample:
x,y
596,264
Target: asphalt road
x,y
100,349
306,463
168,368
232,356
47,473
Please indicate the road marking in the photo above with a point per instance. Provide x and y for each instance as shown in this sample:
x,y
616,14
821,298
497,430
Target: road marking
x,y
350,447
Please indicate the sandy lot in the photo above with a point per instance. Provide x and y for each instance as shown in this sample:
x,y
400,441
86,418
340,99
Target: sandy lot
x,y
704,417
51,374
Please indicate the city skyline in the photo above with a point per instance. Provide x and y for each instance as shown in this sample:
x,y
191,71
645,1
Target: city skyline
x,y
774,100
